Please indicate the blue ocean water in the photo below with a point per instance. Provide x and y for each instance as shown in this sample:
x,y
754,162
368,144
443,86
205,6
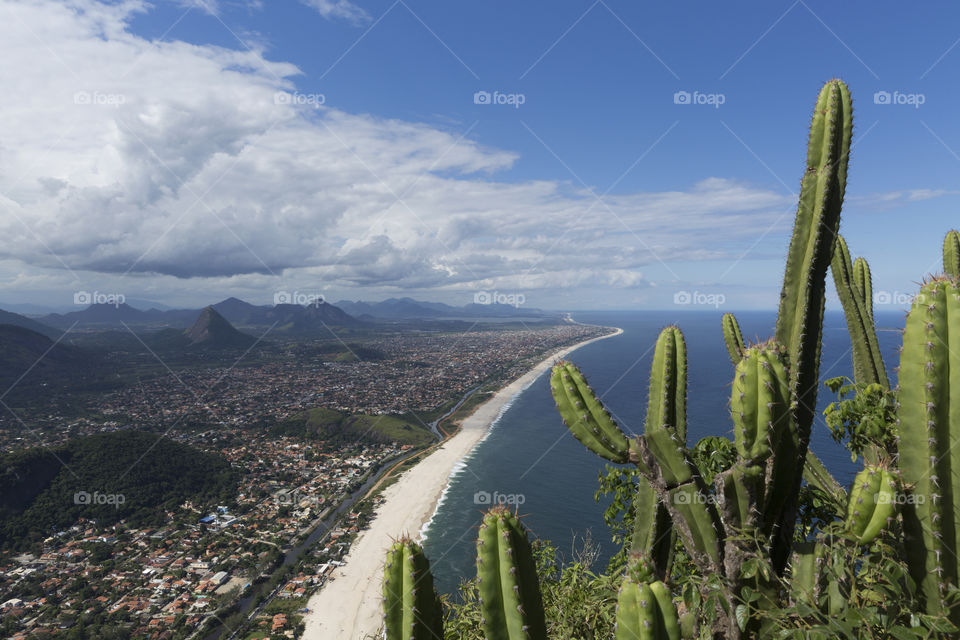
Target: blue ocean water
x,y
529,457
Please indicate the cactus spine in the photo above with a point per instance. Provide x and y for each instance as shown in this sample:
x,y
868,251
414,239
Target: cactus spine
x,y
928,418
856,297
732,337
802,298
510,602
411,610
951,253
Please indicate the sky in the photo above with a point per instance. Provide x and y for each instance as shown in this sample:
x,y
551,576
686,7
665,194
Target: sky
x,y
564,155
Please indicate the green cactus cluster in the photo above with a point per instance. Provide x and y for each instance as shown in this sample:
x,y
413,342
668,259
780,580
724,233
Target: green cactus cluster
x,y
740,533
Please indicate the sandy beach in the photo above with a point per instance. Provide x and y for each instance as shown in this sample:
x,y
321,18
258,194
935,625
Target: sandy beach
x,y
348,606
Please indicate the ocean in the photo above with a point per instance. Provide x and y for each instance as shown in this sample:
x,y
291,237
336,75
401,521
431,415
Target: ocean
x,y
530,460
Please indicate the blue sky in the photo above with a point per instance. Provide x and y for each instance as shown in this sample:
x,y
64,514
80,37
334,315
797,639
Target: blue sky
x,y
381,176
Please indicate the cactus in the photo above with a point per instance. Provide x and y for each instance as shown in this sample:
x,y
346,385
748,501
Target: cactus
x,y
802,298
667,406
928,418
732,337
872,501
585,416
760,401
510,602
645,610
411,610
951,253
863,282
653,533
856,296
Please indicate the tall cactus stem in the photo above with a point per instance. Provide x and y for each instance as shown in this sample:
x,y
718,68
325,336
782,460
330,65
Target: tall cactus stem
x,y
928,419
857,303
800,317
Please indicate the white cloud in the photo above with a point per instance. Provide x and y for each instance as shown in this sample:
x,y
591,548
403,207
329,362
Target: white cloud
x,y
171,160
339,9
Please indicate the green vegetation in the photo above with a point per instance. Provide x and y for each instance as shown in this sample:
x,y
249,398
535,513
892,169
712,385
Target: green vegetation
x,y
106,477
757,553
336,427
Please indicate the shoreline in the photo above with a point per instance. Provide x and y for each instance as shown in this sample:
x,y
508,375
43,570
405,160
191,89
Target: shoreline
x,y
347,607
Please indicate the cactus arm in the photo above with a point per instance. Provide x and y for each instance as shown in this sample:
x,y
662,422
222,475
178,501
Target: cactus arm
x,y
667,613
645,609
653,533
928,417
584,415
800,317
411,609
857,305
863,283
732,337
510,602
694,516
951,254
668,384
817,476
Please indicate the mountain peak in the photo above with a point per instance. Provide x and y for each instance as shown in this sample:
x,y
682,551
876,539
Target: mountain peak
x,y
212,329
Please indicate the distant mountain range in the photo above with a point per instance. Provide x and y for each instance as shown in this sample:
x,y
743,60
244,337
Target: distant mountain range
x,y
314,318
284,318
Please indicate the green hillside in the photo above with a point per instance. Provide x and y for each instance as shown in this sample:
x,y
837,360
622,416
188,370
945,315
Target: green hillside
x,y
340,427
106,477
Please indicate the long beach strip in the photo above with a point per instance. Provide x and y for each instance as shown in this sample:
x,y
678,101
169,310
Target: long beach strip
x,y
348,606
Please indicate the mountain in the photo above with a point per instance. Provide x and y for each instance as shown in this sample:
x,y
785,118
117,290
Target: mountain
x,y
313,318
239,312
212,330
288,317
104,315
106,477
6,317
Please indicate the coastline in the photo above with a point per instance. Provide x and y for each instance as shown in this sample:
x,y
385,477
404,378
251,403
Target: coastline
x,y
348,606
